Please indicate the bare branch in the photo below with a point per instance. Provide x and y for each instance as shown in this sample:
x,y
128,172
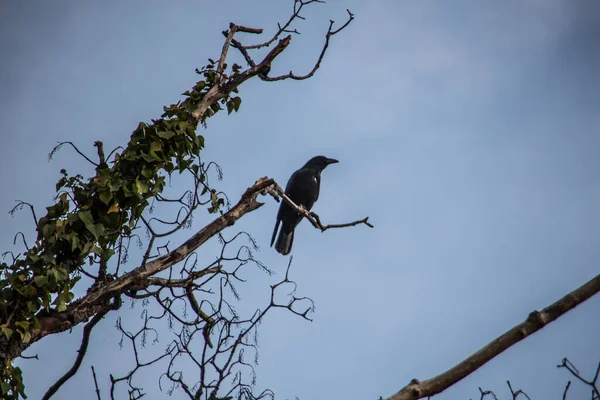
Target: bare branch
x,y
29,357
298,5
23,238
60,144
566,390
330,32
593,383
96,384
516,393
534,322
221,90
87,330
276,191
20,205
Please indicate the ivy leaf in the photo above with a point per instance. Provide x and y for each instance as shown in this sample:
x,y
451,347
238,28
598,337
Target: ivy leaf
x,y
74,242
60,305
105,197
114,208
108,253
97,230
26,337
236,101
147,172
60,274
142,186
7,332
96,250
32,307
22,324
41,280
165,134
86,217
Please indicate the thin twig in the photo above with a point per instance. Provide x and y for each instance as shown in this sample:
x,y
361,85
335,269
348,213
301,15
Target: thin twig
x,y
60,144
566,390
96,384
330,32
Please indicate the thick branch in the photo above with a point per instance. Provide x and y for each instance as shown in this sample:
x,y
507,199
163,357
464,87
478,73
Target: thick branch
x,y
534,322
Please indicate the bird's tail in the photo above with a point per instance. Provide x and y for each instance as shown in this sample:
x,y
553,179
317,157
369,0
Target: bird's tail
x,y
284,242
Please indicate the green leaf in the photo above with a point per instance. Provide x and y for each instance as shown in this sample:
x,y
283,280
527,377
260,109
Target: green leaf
x,y
97,230
105,197
74,242
41,280
60,305
4,386
7,332
48,229
108,253
165,134
87,218
72,218
32,307
147,172
96,250
27,336
87,247
142,186
22,324
60,274
236,103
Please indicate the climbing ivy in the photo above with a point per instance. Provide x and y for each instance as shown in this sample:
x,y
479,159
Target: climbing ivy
x,y
89,216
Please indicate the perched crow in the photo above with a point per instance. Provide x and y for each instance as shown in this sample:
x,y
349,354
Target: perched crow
x,y
302,189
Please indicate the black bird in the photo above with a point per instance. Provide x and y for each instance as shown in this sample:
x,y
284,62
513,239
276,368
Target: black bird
x,y
302,189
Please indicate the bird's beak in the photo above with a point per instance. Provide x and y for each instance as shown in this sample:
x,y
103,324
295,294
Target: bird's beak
x,y
331,161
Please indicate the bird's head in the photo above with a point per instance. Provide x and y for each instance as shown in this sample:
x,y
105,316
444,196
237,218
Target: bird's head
x,y
319,162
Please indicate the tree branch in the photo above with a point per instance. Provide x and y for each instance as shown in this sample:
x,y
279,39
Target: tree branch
x,y
221,90
96,384
87,330
534,322
98,297
276,191
328,35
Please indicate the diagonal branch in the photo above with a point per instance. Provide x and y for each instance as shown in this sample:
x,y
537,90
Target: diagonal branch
x,y
276,191
87,330
534,322
221,90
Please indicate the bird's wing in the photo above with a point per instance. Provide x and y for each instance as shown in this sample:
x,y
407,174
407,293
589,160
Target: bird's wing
x,y
303,187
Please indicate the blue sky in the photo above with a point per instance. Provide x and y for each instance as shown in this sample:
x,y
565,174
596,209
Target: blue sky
x,y
467,131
